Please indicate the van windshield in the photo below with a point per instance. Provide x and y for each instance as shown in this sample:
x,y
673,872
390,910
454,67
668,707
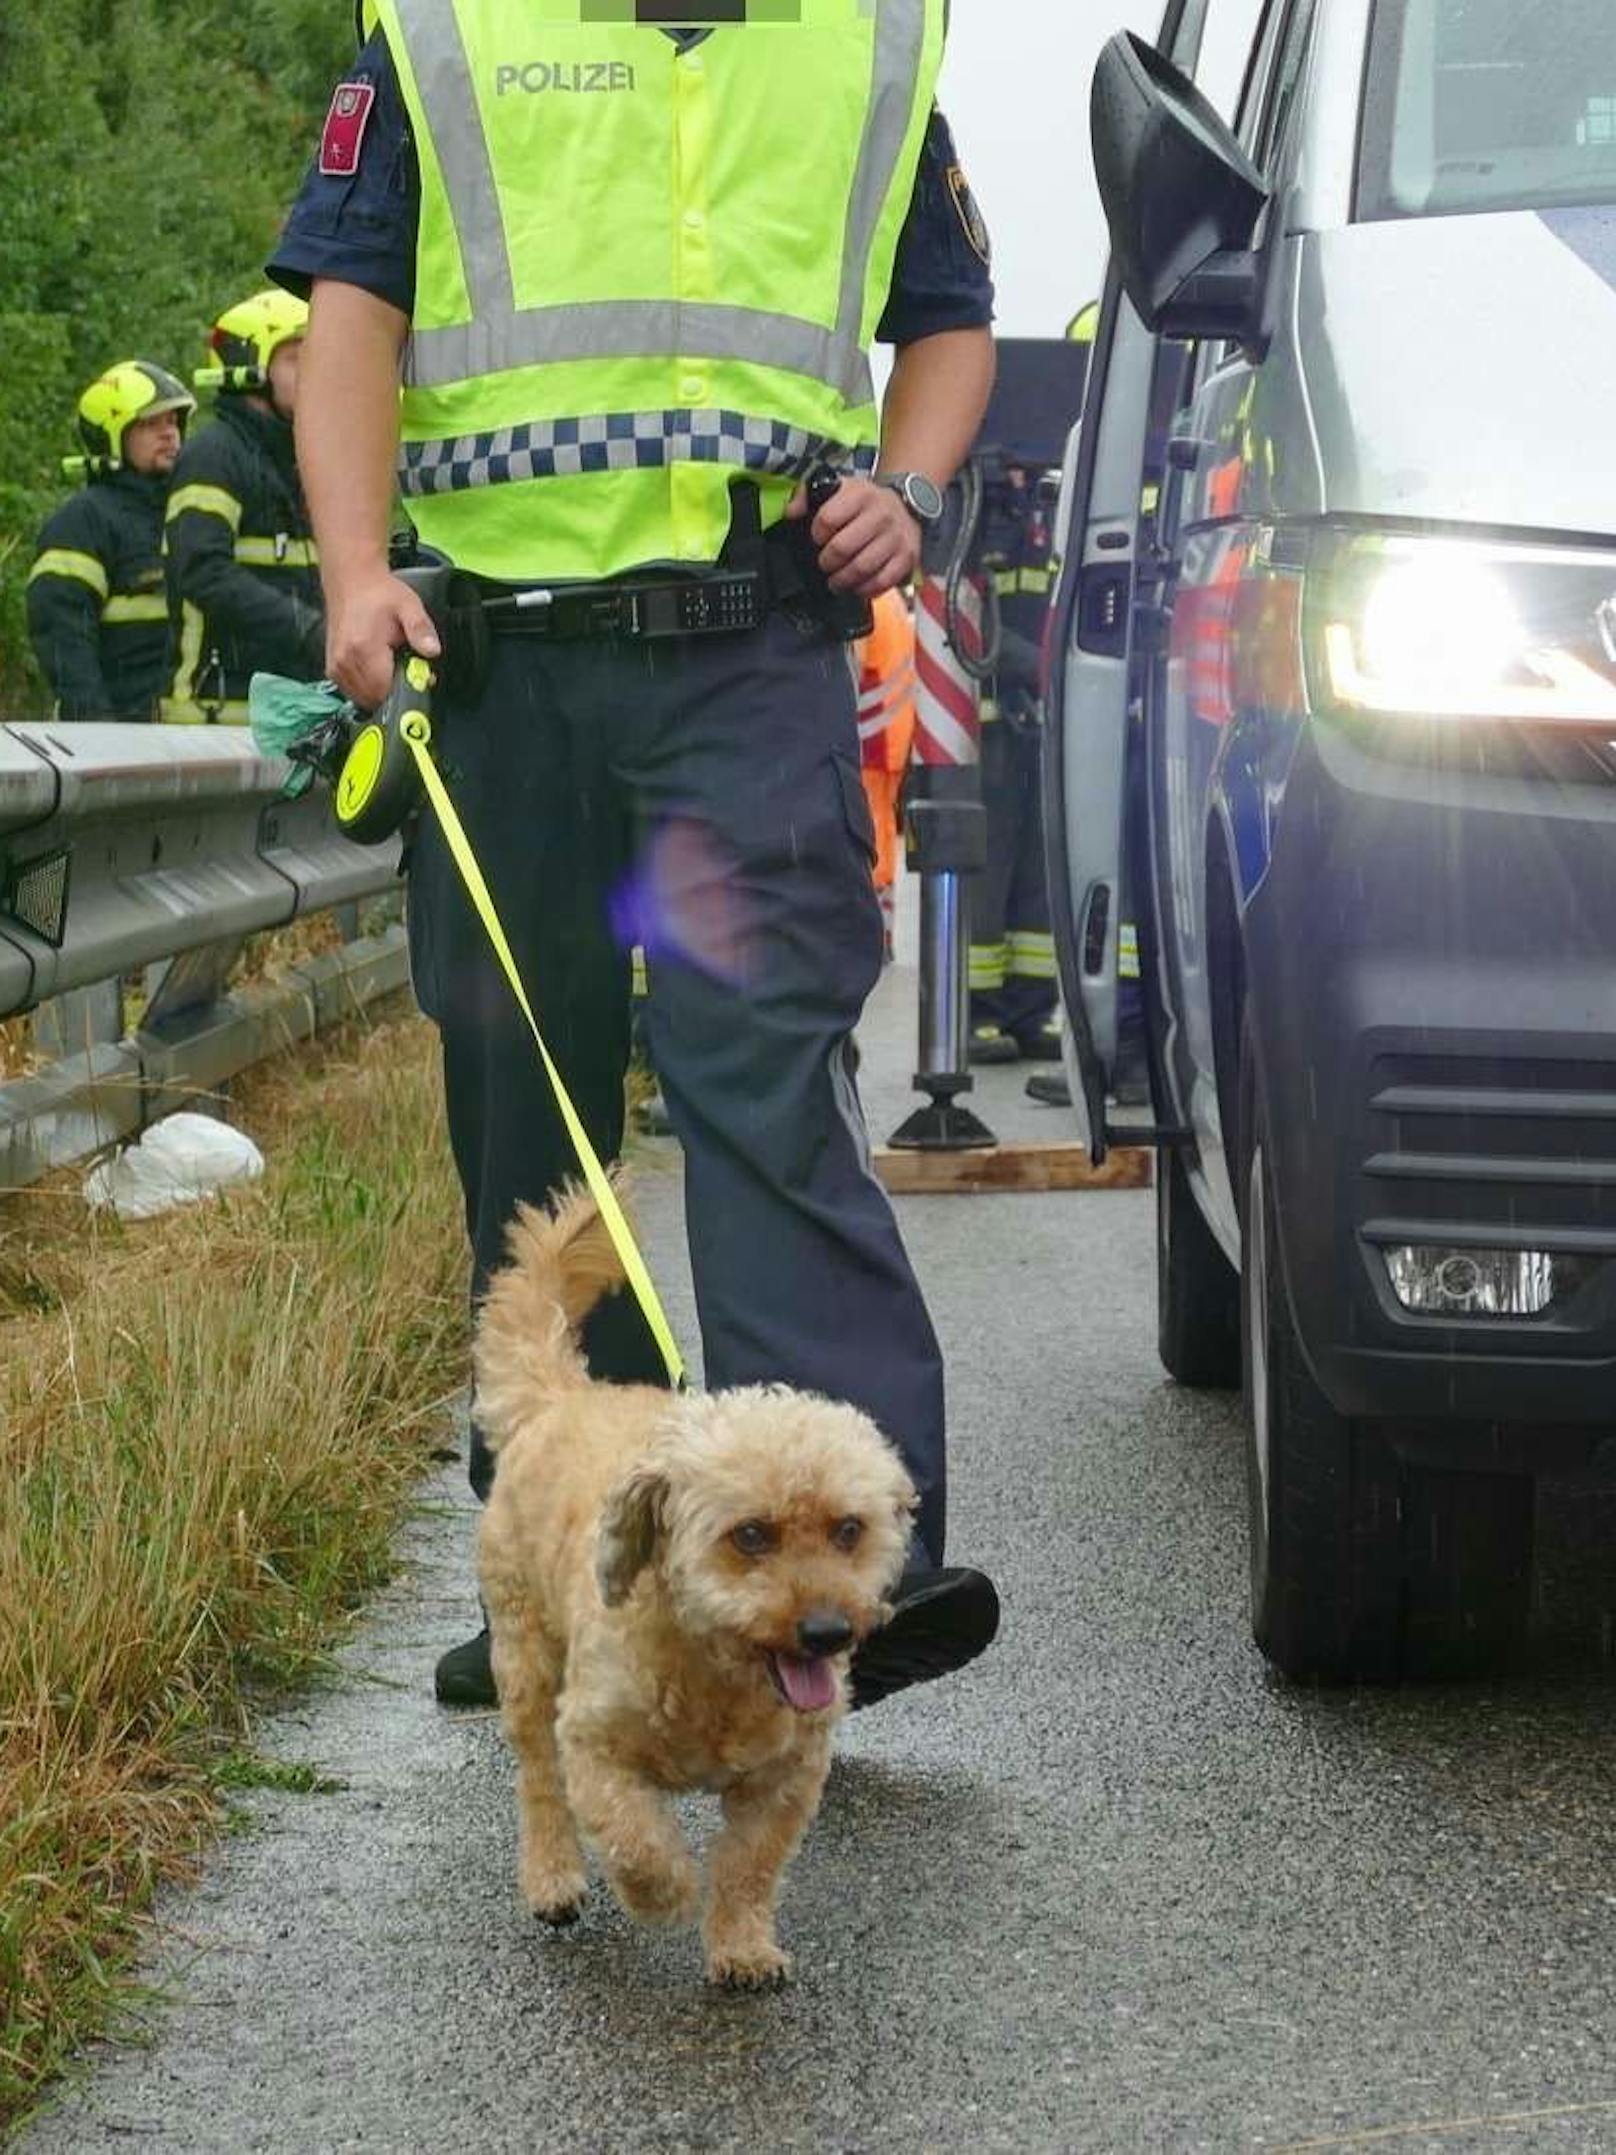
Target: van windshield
x,y
1487,105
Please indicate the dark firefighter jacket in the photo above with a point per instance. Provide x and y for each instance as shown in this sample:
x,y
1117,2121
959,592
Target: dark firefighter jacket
x,y
1017,548
97,612
243,576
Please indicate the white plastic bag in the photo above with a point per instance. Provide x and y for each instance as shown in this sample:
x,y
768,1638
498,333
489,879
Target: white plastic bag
x,y
178,1160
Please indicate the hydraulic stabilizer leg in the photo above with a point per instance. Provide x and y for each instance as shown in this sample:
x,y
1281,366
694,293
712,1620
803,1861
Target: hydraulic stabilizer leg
x,y
947,844
946,839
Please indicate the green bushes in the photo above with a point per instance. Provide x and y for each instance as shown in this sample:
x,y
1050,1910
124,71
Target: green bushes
x,y
148,152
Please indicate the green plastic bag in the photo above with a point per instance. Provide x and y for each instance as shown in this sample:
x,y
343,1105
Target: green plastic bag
x,y
284,713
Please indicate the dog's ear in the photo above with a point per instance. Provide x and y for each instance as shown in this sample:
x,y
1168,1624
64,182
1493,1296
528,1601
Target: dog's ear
x,y
905,1496
629,1526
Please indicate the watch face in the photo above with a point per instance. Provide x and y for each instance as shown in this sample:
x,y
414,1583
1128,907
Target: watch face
x,y
923,496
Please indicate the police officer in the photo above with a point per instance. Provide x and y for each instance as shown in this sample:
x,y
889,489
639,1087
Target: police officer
x,y
97,614
243,574
625,266
1012,956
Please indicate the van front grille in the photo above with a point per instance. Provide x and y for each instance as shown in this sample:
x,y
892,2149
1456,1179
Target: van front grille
x,y
1528,1146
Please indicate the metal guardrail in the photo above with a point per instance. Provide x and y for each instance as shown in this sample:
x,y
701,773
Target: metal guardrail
x,y
74,1107
121,846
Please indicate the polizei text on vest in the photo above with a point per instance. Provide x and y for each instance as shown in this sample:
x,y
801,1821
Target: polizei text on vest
x,y
540,75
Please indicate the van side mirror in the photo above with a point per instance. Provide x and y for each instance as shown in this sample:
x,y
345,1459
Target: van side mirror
x,y
1181,197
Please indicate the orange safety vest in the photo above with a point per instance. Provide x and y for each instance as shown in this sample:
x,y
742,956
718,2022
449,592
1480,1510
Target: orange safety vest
x,y
886,697
886,721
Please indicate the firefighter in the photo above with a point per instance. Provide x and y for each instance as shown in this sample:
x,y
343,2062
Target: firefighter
x,y
613,295
243,574
97,614
886,724
1012,956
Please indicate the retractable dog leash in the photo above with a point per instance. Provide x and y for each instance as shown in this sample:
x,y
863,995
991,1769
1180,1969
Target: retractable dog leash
x,y
415,728
380,767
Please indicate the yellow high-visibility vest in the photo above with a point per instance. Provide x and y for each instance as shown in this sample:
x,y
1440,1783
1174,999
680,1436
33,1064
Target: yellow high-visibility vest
x,y
640,270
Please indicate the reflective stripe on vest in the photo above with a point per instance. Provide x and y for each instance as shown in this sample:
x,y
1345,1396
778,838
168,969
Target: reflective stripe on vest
x,y
616,441
879,703
628,295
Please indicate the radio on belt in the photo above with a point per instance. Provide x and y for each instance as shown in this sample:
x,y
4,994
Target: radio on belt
x,y
691,606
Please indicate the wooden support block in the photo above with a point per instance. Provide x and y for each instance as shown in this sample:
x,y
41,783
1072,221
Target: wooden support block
x,y
1011,1167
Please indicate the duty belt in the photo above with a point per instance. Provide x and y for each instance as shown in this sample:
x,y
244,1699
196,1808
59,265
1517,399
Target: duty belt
x,y
715,605
757,571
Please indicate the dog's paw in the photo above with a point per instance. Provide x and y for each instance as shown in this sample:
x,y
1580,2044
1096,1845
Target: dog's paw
x,y
658,1896
554,1888
559,1911
749,1967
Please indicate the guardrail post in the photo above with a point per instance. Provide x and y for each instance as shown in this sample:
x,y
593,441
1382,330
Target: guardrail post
x,y
191,981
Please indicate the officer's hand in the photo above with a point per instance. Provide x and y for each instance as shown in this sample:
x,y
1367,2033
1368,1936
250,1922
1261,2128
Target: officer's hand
x,y
365,626
868,541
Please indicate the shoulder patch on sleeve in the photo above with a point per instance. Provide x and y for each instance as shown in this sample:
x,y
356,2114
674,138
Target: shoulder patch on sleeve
x,y
972,222
344,138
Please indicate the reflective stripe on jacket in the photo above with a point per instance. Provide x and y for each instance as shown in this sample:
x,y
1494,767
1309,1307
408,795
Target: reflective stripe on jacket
x,y
641,269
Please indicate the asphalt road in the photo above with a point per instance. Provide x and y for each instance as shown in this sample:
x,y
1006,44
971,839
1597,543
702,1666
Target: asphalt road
x,y
1111,1889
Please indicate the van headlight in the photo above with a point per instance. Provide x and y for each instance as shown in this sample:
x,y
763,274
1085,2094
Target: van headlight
x,y
1420,626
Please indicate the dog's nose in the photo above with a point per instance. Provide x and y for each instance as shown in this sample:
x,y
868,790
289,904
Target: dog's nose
x,y
824,1631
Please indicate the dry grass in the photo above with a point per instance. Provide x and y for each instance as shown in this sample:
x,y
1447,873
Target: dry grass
x,y
209,1428
17,1058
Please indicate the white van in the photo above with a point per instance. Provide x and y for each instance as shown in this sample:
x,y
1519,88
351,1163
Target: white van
x,y
1334,714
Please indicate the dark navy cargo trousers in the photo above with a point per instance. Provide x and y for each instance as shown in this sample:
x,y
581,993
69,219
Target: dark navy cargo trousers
x,y
701,796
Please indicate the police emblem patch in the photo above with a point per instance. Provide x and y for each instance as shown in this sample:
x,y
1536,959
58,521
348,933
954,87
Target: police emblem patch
x,y
345,124
972,222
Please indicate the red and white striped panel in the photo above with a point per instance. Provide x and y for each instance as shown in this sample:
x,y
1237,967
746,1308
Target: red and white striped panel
x,y
948,721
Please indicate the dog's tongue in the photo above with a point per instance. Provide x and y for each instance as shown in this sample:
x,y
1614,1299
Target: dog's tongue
x,y
809,1685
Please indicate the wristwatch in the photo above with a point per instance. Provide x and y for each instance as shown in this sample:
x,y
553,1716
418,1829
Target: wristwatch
x,y
922,497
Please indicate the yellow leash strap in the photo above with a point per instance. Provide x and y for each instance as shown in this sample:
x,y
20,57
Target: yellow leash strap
x,y
417,732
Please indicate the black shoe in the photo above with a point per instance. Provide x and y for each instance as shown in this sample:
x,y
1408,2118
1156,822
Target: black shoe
x,y
465,1674
1049,1088
991,1044
940,1620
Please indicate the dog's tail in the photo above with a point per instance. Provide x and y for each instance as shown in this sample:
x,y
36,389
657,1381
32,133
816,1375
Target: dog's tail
x,y
562,1262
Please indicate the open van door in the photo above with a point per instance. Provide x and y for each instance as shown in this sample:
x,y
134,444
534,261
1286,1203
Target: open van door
x,y
1086,709
1091,665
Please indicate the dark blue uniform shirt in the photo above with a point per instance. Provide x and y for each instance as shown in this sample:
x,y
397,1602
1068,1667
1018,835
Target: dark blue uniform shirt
x,y
360,229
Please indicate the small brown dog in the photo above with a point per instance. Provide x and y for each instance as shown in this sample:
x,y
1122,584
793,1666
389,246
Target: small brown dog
x,y
674,1586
